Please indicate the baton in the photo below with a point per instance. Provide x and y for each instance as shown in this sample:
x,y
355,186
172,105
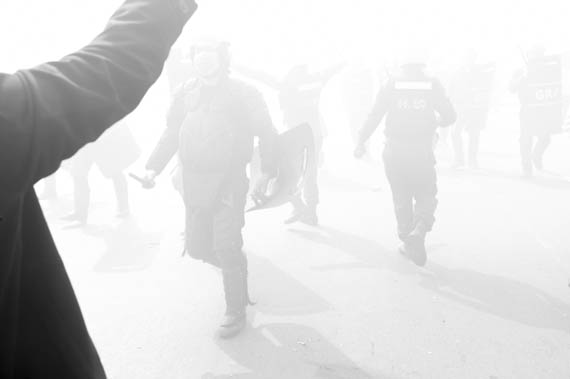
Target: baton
x,y
146,184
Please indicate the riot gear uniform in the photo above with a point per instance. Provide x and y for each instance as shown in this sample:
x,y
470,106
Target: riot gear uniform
x,y
414,105
540,94
470,92
212,127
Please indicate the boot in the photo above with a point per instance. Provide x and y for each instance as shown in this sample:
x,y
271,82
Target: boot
x,y
299,209
81,198
309,216
537,161
236,294
415,245
405,249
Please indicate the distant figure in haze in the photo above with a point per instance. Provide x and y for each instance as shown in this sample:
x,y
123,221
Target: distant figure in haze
x,y
212,122
470,92
358,94
47,114
114,152
49,190
414,104
539,87
177,68
299,98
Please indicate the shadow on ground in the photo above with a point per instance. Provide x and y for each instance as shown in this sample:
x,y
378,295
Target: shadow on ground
x,y
127,246
285,351
499,296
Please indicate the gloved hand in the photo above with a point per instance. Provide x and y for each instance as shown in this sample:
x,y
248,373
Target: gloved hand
x,y
359,151
147,181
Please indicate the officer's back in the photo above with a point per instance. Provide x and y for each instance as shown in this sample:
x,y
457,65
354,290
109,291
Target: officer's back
x,y
416,105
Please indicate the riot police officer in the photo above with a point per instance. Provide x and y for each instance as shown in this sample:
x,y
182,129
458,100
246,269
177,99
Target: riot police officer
x,y
414,104
212,123
470,91
539,88
113,153
299,94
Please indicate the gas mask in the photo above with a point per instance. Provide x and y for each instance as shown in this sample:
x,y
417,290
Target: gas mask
x,y
207,64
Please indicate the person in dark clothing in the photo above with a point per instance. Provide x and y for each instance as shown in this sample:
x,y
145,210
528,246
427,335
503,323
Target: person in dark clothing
x,y
114,152
414,104
212,123
539,88
47,114
299,95
470,92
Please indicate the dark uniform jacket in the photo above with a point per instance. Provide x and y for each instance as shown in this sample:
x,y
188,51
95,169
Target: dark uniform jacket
x,y
213,130
414,104
539,88
47,113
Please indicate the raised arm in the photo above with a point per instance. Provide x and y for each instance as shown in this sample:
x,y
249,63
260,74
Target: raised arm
x,y
48,112
325,75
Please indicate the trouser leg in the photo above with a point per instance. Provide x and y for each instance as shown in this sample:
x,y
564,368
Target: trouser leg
x,y
228,222
526,142
474,137
305,204
82,195
425,195
402,196
121,193
457,137
542,143
311,187
81,192
235,283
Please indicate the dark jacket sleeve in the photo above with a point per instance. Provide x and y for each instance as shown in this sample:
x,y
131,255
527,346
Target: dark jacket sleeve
x,y
378,112
48,112
443,106
167,146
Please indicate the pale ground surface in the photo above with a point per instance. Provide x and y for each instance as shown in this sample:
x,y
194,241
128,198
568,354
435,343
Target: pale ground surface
x,y
338,301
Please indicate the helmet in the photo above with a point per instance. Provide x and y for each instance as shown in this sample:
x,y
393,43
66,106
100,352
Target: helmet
x,y
222,47
415,53
220,62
